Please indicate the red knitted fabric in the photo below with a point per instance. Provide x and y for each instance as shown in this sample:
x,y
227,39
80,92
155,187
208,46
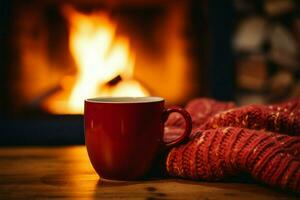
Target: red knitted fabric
x,y
216,154
200,109
292,105
224,145
278,119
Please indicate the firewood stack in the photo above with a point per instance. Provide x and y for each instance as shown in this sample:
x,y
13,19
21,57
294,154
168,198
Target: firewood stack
x,y
266,45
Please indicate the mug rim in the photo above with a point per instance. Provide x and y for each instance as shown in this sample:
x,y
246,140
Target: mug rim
x,y
125,100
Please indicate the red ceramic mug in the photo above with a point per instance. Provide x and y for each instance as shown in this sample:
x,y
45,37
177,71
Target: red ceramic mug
x,y
124,134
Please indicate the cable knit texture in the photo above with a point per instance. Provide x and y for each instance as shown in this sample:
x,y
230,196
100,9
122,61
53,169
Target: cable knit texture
x,y
263,141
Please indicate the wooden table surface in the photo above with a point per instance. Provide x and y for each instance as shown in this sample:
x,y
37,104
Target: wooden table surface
x,y
65,173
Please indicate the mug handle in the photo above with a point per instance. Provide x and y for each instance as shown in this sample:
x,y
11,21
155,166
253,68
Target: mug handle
x,y
188,125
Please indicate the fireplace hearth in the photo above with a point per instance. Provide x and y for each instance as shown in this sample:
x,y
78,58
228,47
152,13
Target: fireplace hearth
x,y
133,48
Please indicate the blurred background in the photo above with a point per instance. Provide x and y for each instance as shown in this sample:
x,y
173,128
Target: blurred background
x,y
56,53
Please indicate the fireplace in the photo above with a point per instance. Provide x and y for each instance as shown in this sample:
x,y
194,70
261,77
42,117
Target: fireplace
x,y
57,53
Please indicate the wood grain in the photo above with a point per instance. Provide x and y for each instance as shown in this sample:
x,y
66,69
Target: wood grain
x,y
65,173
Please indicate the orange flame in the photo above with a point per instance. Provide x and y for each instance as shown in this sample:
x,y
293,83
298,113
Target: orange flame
x,y
100,55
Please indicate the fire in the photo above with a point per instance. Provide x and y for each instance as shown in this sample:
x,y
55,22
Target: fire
x,y
100,56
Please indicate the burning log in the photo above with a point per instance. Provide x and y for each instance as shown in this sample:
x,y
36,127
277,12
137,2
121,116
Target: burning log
x,y
38,101
104,62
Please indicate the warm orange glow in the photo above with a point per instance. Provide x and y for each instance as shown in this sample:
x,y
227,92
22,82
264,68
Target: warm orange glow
x,y
100,56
